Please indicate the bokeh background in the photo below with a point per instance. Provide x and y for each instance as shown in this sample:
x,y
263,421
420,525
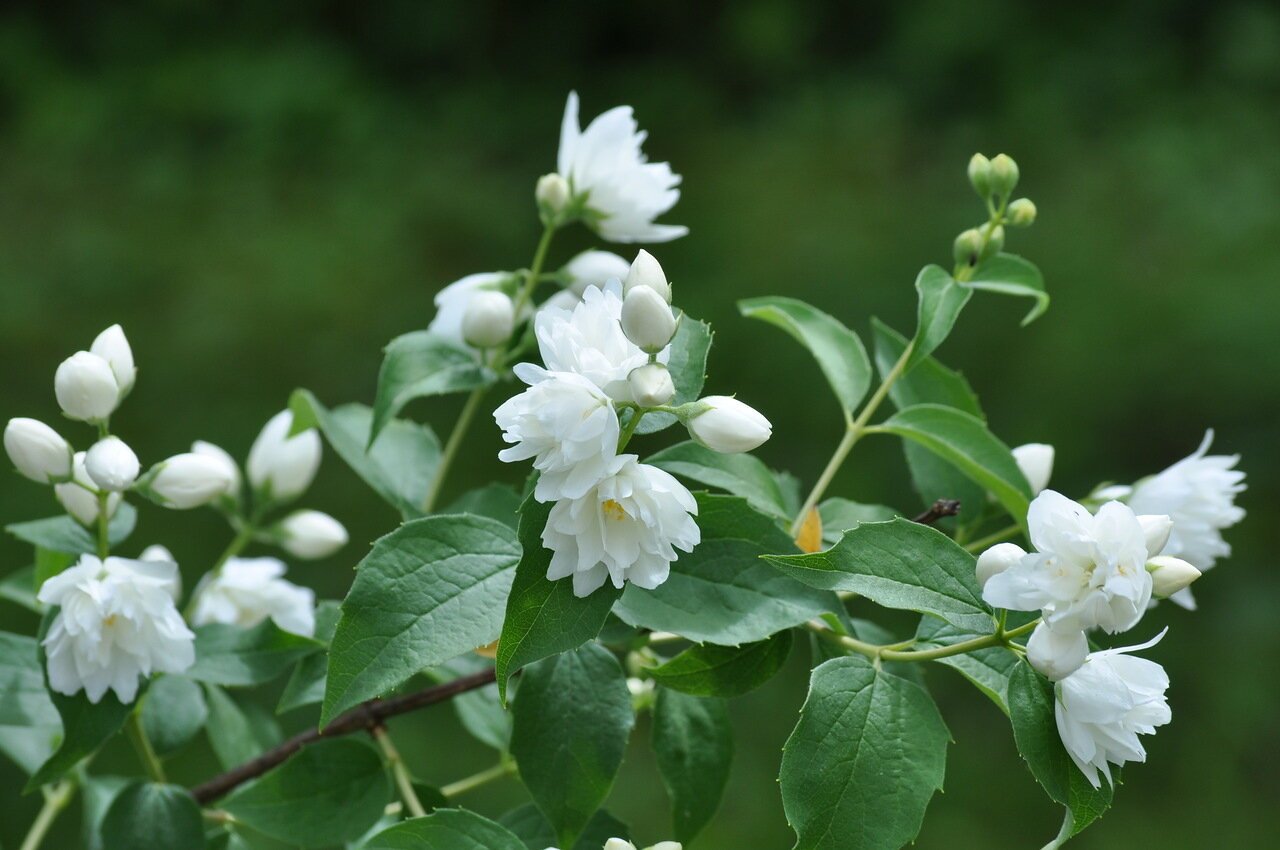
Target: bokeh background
x,y
265,193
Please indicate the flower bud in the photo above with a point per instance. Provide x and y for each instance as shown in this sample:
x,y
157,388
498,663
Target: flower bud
x,y
218,454
646,271
489,319
727,425
593,268
647,319
980,175
1004,175
967,247
311,534
651,385
1169,575
112,464
1021,213
112,346
86,387
280,465
80,502
1035,460
1156,528
552,193
996,560
188,480
156,552
995,242
1057,652
642,693
38,451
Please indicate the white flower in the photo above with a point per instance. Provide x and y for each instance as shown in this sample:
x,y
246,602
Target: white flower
x,y
996,560
588,341
1103,707
112,464
1088,571
86,387
622,844
727,425
80,502
312,534
1057,651
37,451
189,480
566,424
647,319
116,622
488,319
626,528
157,552
622,191
645,270
220,455
284,466
1198,493
593,268
112,346
651,385
1035,460
247,591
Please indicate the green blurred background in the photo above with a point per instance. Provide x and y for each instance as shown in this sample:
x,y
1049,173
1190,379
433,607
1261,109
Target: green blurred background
x,y
265,193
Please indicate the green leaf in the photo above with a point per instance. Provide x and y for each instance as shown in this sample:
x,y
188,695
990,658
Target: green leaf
x,y
987,669
841,515
173,712
29,722
941,300
536,831
148,815
237,734
495,501
446,829
838,350
965,442
421,364
1009,274
235,656
693,744
741,474
19,588
868,753
64,534
49,563
1035,730
97,793
722,592
688,368
544,617
571,725
898,564
725,671
326,793
428,591
399,467
306,683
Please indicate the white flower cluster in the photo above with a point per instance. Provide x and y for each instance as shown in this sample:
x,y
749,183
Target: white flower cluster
x,y
1101,571
613,518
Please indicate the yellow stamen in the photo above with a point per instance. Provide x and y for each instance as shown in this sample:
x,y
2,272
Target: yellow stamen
x,y
613,510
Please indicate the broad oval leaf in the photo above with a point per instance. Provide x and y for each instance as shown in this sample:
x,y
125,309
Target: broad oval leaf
x,y
496,501
236,732
898,564
64,534
421,364
864,760
740,474
572,720
173,712
428,591
29,723
536,831
941,299
725,671
326,793
693,744
841,515
987,669
688,367
1009,274
235,656
445,829
19,587
838,350
148,815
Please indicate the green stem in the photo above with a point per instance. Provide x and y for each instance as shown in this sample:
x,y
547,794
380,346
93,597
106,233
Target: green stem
x,y
451,447
630,429
484,777
535,269
104,526
992,539
244,536
55,800
404,782
888,652
142,744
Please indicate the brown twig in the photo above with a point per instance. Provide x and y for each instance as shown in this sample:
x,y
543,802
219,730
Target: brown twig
x,y
363,717
938,510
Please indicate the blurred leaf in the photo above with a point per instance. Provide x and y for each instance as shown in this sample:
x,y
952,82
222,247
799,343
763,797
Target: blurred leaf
x,y
420,364
49,563
688,368
536,831
306,683
1009,274
693,744
841,515
235,735
740,474
868,753
19,588
64,534
446,829
838,350
571,725
173,712
232,655
428,591
941,300
328,792
148,815
725,671
495,501
29,723
97,793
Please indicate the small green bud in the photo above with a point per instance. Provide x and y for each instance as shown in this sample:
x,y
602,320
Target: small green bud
x,y
1021,213
980,175
995,244
1004,175
967,247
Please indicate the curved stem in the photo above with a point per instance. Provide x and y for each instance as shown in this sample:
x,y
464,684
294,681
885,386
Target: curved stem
x,y
451,447
242,539
890,652
404,782
55,800
535,269
142,744
627,432
484,777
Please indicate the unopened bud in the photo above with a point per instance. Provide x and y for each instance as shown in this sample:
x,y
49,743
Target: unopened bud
x,y
980,175
38,451
188,480
220,455
112,464
1057,652
112,346
594,268
78,497
489,319
1169,575
86,387
1021,213
1004,175
651,385
1156,528
647,319
996,560
727,425
646,271
1035,461
311,534
995,242
157,552
967,247
280,465
552,193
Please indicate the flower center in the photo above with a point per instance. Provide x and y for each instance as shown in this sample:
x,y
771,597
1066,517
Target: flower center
x,y
110,621
614,511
